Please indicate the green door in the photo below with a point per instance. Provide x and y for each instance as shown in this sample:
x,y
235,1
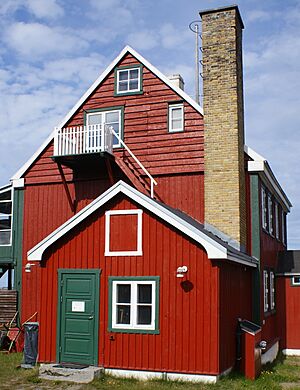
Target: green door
x,y
78,304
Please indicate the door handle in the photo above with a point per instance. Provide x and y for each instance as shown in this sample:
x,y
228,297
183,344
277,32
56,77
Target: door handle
x,y
91,317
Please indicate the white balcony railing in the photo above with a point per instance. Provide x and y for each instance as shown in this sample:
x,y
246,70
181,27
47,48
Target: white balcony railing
x,y
76,140
71,141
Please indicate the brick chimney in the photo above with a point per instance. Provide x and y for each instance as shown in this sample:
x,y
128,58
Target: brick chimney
x,y
225,193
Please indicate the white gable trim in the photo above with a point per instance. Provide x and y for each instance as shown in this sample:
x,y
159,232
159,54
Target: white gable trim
x,y
261,166
214,249
127,49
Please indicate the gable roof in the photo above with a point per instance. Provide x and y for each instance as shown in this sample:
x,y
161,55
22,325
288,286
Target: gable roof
x,y
215,248
288,263
260,165
127,49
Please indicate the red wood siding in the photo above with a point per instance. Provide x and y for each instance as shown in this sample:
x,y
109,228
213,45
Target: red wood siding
x,y
288,313
235,302
188,339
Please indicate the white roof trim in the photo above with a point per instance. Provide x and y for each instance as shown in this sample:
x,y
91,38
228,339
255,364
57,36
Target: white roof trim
x,y
260,165
214,249
127,49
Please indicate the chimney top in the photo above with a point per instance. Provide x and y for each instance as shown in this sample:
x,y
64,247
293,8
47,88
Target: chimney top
x,y
220,9
177,80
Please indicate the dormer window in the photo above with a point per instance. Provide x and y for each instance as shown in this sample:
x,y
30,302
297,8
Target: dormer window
x,y
5,217
128,80
176,118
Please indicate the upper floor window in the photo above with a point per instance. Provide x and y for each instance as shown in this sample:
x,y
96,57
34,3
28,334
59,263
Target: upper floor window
x,y
128,80
176,117
272,290
264,211
266,290
270,214
96,119
276,220
5,217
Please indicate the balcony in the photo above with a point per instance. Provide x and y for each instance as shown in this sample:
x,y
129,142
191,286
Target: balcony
x,y
83,140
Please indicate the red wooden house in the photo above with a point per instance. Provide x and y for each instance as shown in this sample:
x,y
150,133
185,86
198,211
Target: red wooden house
x,y
140,221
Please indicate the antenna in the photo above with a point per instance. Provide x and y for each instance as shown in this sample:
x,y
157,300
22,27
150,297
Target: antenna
x,y
195,28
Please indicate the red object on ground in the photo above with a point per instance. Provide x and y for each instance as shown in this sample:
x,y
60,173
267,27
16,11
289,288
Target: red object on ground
x,y
16,335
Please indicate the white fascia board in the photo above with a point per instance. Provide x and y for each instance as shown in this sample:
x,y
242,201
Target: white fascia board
x,y
214,249
31,160
5,188
291,352
239,260
18,183
260,165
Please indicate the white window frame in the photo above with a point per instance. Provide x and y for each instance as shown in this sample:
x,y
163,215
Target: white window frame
x,y
138,251
173,107
266,291
276,220
294,283
103,123
272,290
264,213
133,305
138,89
270,214
10,189
283,227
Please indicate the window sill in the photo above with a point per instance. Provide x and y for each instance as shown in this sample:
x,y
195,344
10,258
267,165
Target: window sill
x,y
142,331
118,94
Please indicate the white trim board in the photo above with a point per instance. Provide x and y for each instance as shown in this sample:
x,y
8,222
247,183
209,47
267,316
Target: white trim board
x,y
261,166
213,248
291,352
139,250
141,59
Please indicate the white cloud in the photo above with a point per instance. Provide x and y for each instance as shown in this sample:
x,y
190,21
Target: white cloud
x,y
258,15
174,38
35,40
45,8
143,40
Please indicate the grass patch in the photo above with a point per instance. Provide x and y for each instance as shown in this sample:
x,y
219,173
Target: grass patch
x,y
272,378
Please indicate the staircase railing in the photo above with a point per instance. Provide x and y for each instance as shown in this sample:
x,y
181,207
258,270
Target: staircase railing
x,y
153,182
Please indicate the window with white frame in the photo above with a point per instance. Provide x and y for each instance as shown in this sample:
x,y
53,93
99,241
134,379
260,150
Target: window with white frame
x,y
111,118
272,290
266,290
296,281
176,117
123,232
270,214
134,304
283,227
128,80
276,221
264,211
6,215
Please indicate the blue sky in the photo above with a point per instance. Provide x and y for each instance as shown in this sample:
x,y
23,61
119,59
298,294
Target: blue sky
x,y
52,50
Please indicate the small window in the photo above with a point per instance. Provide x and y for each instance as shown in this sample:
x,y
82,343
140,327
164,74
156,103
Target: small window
x,y
123,232
270,214
296,281
134,304
264,211
272,290
266,291
176,118
128,80
5,217
276,221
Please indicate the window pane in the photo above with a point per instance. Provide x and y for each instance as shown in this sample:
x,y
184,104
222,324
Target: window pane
x,y
123,86
94,119
144,293
123,75
177,113
134,74
123,293
123,314
297,279
144,315
4,237
5,195
5,222
112,117
5,207
176,124
133,85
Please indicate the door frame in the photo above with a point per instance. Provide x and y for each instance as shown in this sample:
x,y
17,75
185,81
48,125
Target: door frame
x,y
97,273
